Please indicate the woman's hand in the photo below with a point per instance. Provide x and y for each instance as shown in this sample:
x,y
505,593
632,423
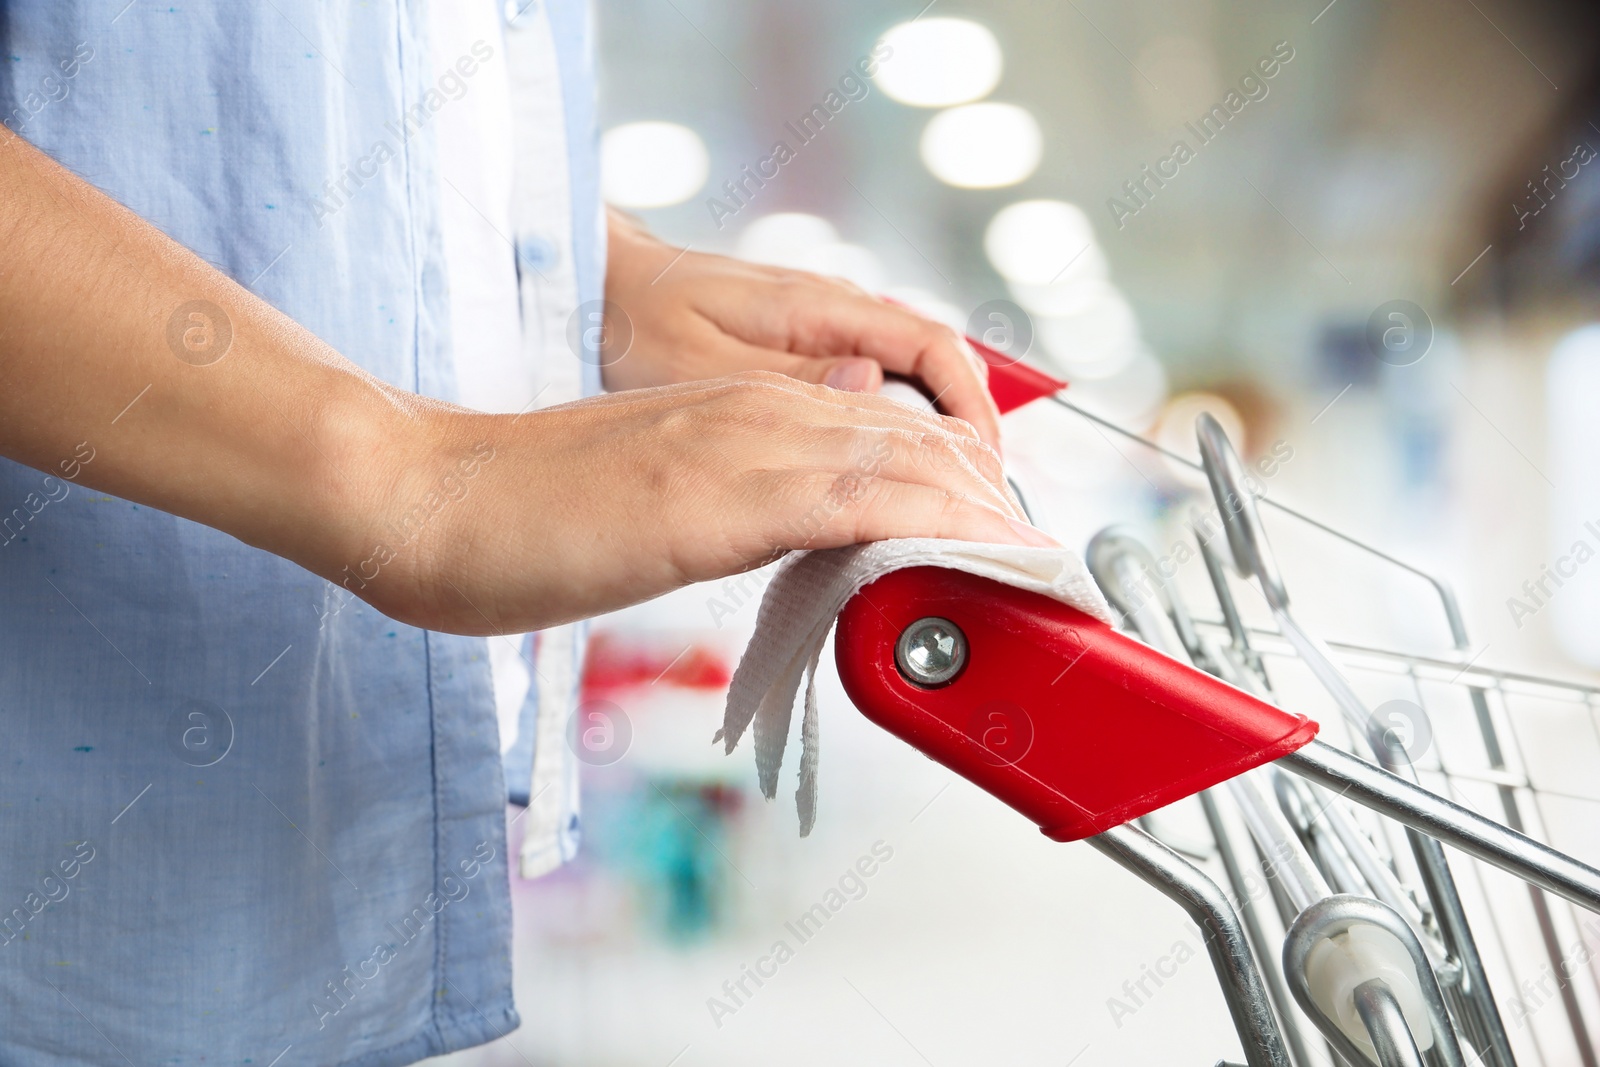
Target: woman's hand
x,y
696,316
571,511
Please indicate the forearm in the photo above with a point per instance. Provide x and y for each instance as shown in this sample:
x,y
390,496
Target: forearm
x,y
196,397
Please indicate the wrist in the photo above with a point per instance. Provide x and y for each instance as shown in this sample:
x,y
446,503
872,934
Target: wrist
x,y
409,524
324,488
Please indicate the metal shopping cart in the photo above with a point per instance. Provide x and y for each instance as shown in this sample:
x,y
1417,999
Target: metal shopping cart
x,y
1346,933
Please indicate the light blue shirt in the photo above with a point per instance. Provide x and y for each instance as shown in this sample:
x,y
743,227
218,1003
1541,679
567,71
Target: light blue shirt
x,y
244,818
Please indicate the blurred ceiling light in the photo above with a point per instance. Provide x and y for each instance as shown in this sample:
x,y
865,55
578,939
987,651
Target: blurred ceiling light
x,y
784,239
938,62
1036,242
799,241
1083,284
1176,431
982,146
652,164
1098,342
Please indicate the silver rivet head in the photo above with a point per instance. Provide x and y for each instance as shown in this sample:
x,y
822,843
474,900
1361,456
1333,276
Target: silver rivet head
x,y
931,652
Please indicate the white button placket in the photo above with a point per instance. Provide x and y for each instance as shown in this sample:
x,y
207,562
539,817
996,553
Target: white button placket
x,y
542,215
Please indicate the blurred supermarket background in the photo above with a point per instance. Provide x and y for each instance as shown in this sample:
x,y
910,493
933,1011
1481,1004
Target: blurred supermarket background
x,y
1376,254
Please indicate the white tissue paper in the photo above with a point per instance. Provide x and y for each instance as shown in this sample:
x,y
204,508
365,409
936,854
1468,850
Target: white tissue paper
x,y
799,608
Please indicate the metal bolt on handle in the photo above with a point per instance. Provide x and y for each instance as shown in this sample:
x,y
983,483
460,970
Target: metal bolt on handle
x,y
931,652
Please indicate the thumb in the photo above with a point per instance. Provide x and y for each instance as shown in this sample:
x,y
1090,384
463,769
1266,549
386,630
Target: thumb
x,y
853,374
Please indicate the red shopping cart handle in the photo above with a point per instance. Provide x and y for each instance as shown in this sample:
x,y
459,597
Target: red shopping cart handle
x,y
1013,383
1073,724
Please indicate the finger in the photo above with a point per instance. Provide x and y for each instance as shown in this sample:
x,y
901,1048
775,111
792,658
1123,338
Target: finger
x,y
904,343
977,361
850,425
902,442
903,447
958,387
963,343
950,462
894,509
849,374
885,509
861,408
936,461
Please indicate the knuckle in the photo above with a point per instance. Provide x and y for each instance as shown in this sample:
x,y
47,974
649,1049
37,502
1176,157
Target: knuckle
x,y
793,279
719,393
939,452
938,333
987,459
870,516
960,427
751,399
676,423
816,503
869,448
754,381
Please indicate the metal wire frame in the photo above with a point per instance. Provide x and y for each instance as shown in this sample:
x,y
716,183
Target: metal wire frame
x,y
1424,679
1483,1024
1310,911
1302,888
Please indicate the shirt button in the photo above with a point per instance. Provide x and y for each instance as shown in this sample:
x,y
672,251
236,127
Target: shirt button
x,y
537,253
